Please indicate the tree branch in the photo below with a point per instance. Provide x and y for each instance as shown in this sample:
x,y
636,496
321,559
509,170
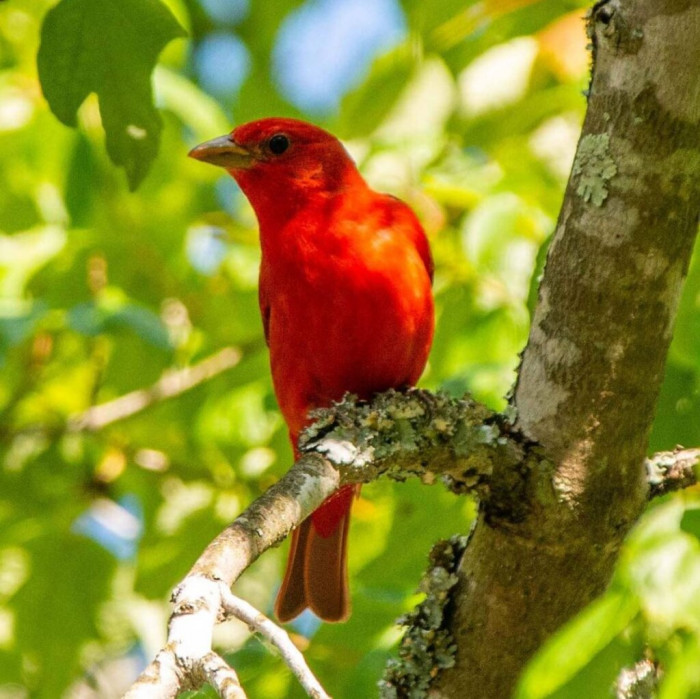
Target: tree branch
x,y
259,623
160,680
467,446
222,677
639,681
672,470
170,385
399,435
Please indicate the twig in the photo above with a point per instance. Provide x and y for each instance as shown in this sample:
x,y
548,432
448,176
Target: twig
x,y
268,520
292,656
672,470
171,384
639,681
198,603
222,677
160,680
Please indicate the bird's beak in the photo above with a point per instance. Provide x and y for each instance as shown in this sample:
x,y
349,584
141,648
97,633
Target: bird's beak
x,y
223,152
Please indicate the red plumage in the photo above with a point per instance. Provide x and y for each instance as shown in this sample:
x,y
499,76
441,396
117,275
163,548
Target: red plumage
x,y
345,296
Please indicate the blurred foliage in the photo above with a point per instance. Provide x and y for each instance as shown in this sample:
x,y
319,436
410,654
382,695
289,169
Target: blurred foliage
x,y
472,118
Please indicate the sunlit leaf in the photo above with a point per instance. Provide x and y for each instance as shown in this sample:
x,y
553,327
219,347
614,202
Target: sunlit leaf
x,y
463,38
196,109
681,670
570,649
22,254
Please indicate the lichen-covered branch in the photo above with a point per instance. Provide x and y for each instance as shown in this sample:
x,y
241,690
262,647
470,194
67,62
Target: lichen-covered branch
x,y
428,645
418,433
433,437
398,434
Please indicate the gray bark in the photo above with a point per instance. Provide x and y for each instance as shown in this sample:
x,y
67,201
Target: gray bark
x,y
592,369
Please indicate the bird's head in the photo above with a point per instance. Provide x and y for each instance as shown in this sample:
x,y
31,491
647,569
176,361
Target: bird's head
x,y
281,161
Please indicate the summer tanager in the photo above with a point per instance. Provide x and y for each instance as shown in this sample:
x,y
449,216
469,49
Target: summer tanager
x,y
346,303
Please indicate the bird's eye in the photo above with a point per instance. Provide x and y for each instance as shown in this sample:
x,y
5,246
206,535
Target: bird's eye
x,y
278,144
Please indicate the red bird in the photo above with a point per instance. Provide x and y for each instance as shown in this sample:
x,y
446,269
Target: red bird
x,y
346,303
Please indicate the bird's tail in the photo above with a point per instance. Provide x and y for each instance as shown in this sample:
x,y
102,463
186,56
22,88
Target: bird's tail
x,y
316,576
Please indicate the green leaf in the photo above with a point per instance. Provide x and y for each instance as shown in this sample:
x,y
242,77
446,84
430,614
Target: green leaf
x,y
23,254
108,47
425,17
501,237
16,327
678,408
364,107
80,182
146,324
197,110
690,522
92,320
682,670
661,565
87,319
574,646
57,607
686,337
10,669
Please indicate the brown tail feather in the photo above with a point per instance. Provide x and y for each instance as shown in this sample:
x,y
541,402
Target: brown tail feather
x,y
326,571
316,576
291,599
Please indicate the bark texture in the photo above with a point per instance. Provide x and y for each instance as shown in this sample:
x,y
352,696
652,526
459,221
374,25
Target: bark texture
x,y
592,369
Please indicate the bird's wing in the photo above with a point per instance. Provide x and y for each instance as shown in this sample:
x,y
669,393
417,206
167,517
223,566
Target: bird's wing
x,y
405,220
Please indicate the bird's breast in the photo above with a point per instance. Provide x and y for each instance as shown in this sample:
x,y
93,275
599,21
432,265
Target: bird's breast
x,y
351,315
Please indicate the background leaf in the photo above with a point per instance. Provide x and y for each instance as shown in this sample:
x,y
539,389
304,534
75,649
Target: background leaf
x,y
580,643
108,47
57,565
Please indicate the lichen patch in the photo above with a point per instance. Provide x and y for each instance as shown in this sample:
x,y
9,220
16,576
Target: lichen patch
x,y
594,168
427,647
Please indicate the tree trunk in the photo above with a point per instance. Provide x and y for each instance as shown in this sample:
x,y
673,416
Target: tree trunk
x,y
592,369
